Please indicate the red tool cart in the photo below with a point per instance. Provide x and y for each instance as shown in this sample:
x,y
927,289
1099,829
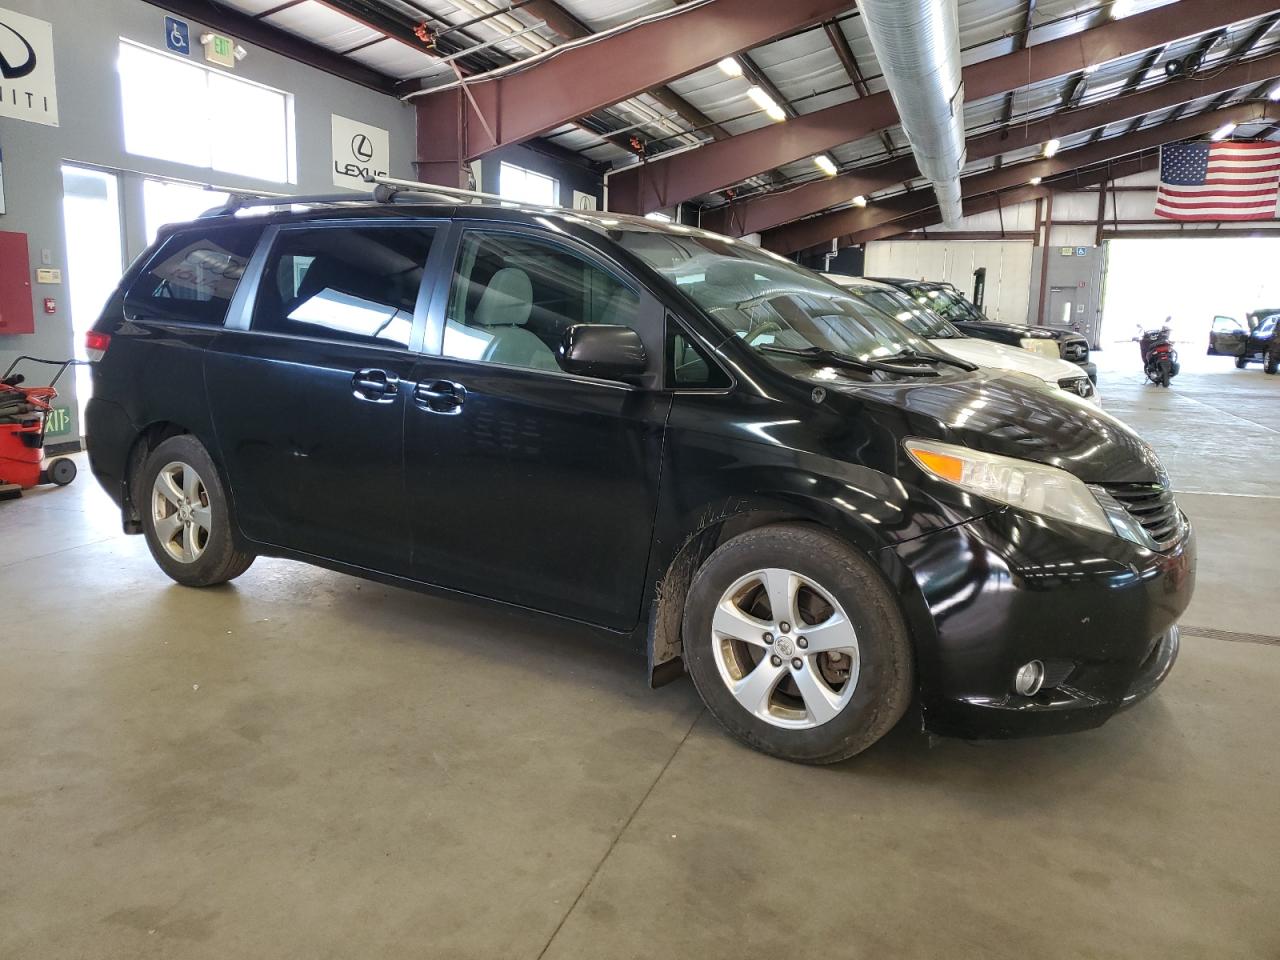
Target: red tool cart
x,y
23,419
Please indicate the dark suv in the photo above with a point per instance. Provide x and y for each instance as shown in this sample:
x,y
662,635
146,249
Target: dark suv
x,y
1228,337
691,444
949,303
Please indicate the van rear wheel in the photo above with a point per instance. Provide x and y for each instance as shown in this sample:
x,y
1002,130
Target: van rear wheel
x,y
796,644
185,515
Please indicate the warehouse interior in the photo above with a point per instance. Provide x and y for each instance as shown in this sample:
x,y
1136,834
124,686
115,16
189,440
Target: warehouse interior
x,y
323,757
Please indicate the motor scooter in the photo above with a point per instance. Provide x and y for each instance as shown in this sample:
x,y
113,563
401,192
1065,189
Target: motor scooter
x,y
1159,359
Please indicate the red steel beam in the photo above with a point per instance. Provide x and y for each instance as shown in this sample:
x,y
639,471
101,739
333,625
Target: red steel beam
x,y
665,181
817,231
760,213
764,211
994,201
457,124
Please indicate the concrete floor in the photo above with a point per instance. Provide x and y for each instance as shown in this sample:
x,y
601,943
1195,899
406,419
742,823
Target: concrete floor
x,y
304,765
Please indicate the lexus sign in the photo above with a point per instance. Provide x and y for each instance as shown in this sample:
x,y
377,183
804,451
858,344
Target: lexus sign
x,y
358,149
27,90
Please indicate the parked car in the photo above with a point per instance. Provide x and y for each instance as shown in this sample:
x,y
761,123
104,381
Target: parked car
x,y
1257,342
920,319
689,443
949,303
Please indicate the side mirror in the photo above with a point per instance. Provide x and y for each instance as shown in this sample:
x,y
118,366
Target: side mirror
x,y
602,350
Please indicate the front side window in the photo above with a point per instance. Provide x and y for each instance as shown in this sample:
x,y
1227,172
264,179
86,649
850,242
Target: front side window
x,y
356,284
515,296
767,301
193,275
1267,327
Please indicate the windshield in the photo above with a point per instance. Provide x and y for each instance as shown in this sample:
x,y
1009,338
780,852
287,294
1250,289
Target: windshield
x,y
767,301
916,317
944,303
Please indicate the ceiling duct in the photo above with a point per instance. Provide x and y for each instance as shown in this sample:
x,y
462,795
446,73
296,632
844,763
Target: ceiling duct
x,y
918,45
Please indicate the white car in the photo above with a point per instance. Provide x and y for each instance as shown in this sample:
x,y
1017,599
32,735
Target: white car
x,y
944,335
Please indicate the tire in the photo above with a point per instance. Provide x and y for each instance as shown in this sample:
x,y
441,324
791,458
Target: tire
x,y
852,713
1271,363
1165,375
186,517
61,470
1242,362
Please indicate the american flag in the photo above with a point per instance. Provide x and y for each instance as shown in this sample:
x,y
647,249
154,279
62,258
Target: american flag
x,y
1224,180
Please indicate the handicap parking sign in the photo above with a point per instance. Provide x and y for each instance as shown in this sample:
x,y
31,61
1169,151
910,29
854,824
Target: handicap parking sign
x,y
177,36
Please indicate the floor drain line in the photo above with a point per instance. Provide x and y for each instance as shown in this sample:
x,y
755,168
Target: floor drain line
x,y
1215,634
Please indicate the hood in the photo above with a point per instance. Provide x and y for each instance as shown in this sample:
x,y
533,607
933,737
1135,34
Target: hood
x,y
988,353
1002,414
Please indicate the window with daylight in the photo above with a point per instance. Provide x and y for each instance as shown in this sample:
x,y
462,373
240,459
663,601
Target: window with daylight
x,y
526,186
186,113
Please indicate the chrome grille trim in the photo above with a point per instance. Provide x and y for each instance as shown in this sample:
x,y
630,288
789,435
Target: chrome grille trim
x,y
1156,520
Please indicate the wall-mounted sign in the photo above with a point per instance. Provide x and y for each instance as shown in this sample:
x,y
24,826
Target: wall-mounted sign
x,y
1082,251
1066,251
583,201
359,149
177,36
27,88
219,49
57,422
48,275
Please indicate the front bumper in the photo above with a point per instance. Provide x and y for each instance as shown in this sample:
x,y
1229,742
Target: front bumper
x,y
994,593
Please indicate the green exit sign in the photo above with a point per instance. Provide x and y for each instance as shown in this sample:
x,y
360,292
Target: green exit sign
x,y
57,422
219,49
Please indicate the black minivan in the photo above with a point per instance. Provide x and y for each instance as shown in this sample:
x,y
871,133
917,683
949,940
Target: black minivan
x,y
685,441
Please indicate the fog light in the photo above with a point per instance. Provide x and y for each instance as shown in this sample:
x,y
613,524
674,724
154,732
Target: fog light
x,y
1029,678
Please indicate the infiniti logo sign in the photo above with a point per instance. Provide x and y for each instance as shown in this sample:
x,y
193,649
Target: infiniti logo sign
x,y
10,70
27,87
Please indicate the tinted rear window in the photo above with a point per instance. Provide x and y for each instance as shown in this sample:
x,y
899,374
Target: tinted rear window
x,y
193,275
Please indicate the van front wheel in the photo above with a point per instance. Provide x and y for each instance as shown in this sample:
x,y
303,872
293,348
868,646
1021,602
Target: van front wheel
x,y
796,644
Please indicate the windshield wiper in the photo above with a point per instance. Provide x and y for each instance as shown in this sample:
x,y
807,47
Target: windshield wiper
x,y
910,356
838,359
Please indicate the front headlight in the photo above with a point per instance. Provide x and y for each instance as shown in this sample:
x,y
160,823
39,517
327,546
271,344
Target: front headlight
x,y
1040,345
1033,487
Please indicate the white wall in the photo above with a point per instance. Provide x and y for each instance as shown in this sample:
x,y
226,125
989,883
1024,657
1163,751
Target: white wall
x,y
1008,264
86,38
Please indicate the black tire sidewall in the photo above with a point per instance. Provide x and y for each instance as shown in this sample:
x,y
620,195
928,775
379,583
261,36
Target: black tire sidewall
x,y
885,672
220,555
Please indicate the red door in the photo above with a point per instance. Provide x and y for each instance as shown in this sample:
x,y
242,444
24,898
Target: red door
x,y
16,313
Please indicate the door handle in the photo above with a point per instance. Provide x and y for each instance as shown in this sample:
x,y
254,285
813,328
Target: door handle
x,y
440,396
376,386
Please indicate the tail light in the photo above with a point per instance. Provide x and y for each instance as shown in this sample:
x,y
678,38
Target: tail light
x,y
96,343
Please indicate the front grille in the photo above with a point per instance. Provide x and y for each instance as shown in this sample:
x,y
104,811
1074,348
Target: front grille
x,y
1081,386
1077,351
1152,505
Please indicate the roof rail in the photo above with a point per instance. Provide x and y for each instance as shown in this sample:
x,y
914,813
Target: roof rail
x,y
386,188
239,201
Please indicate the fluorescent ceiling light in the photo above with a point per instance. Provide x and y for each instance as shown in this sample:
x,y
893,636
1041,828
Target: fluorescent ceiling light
x,y
1224,131
1051,147
859,201
766,103
825,164
1121,8
1275,93
1034,181
730,67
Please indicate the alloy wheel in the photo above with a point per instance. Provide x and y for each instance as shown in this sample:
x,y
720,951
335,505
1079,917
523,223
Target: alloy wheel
x,y
180,512
785,648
